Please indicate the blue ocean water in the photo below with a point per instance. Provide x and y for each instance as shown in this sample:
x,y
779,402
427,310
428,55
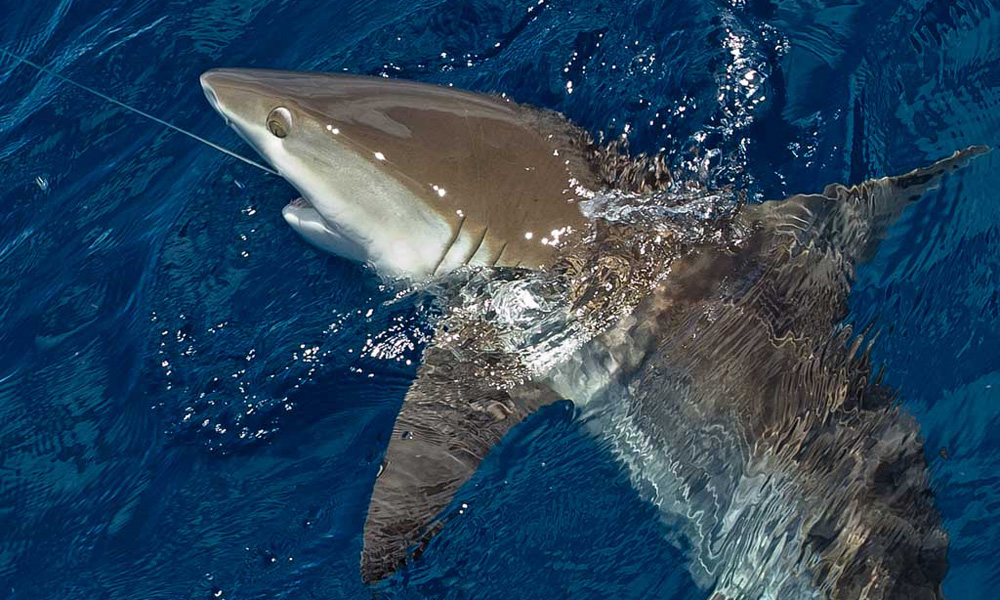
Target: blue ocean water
x,y
194,403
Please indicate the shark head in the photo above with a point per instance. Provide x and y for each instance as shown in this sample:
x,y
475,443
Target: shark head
x,y
413,179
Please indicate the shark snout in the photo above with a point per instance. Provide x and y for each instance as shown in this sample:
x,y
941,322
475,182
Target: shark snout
x,y
206,86
216,84
244,104
236,94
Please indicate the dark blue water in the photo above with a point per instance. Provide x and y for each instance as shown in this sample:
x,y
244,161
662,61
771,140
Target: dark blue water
x,y
194,404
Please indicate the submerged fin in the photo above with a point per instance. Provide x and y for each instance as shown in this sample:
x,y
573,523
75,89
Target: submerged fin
x,y
810,245
449,421
853,219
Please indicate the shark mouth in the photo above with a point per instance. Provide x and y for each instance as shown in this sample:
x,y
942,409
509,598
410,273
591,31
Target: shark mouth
x,y
310,224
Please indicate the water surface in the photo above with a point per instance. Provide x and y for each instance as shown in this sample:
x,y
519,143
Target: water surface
x,y
194,403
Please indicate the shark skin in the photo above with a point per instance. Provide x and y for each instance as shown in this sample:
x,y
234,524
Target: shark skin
x,y
815,478
742,340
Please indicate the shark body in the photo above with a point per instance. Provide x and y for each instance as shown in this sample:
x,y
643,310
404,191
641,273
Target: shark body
x,y
735,399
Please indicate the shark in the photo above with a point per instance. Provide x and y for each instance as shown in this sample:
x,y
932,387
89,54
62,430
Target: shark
x,y
713,350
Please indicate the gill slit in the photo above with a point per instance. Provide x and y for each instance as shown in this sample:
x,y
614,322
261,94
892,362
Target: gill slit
x,y
447,249
475,250
499,255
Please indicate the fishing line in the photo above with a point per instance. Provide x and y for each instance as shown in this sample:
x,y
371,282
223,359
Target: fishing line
x,y
48,71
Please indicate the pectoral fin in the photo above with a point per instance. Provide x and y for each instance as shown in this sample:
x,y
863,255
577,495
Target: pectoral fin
x,y
448,423
804,249
852,220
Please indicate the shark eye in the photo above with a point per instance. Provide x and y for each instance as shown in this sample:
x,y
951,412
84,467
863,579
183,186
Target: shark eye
x,y
279,122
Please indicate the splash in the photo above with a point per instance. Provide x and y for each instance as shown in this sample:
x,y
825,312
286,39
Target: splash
x,y
516,325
